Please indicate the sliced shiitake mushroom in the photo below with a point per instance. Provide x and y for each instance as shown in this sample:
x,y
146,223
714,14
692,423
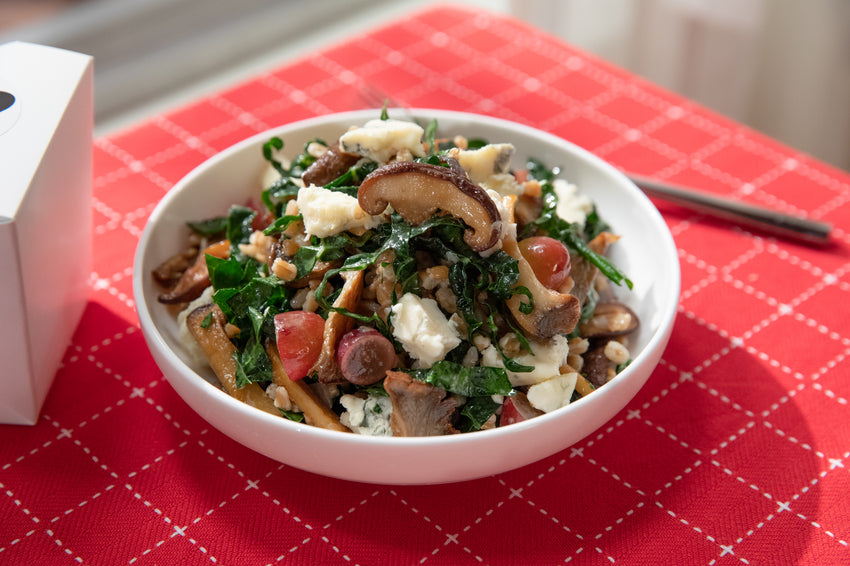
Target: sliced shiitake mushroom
x,y
418,190
328,166
194,280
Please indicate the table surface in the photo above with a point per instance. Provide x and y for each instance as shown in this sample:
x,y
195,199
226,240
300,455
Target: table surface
x,y
736,451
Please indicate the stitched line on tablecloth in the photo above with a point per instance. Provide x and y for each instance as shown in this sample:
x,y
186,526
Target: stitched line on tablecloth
x,y
689,376
67,433
785,505
190,141
640,492
177,531
517,492
834,462
35,519
181,530
17,502
724,549
309,527
783,309
123,220
133,164
449,537
828,392
61,545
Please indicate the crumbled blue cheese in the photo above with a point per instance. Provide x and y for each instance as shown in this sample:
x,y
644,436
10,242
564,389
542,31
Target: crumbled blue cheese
x,y
553,393
325,212
546,358
491,159
488,166
369,416
423,330
572,205
382,140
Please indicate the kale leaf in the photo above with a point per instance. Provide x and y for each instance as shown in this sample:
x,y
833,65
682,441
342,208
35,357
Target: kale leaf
x,y
474,381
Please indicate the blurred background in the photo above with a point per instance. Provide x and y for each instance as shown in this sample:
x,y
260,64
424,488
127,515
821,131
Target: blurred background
x,y
779,66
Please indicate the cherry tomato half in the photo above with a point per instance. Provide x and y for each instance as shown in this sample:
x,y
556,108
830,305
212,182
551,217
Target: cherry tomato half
x,y
299,341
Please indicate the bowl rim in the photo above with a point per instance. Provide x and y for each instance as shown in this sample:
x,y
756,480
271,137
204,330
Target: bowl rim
x,y
157,344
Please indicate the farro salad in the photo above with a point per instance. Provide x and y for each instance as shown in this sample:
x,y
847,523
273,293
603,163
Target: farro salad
x,y
395,283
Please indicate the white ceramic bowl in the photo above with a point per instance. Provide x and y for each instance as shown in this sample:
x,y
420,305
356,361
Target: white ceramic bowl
x,y
646,253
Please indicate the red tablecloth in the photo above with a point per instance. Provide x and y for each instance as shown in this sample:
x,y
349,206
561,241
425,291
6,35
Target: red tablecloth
x,y
737,450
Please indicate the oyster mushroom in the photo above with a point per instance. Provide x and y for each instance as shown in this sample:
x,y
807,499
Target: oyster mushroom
x,y
553,312
419,408
316,411
418,190
206,324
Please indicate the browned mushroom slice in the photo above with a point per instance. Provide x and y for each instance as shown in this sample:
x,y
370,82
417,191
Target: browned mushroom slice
x,y
582,271
316,411
527,210
596,365
609,320
169,271
418,190
206,324
419,408
330,165
195,279
326,367
553,312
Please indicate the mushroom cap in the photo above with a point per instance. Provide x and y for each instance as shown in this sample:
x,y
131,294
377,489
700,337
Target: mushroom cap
x,y
417,191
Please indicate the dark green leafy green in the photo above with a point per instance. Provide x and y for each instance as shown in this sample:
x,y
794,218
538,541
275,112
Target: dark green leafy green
x,y
239,227
251,306
430,137
349,181
274,144
475,413
474,381
209,227
281,223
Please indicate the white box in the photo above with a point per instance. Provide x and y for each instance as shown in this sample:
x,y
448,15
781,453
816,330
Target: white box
x,y
46,119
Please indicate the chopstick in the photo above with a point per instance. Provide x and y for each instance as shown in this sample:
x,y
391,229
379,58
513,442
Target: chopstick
x,y
771,221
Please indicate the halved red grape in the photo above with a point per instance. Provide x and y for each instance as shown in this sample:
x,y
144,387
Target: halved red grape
x,y
548,258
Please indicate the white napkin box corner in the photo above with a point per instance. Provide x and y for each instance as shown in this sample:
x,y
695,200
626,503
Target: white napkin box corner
x,y
46,123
